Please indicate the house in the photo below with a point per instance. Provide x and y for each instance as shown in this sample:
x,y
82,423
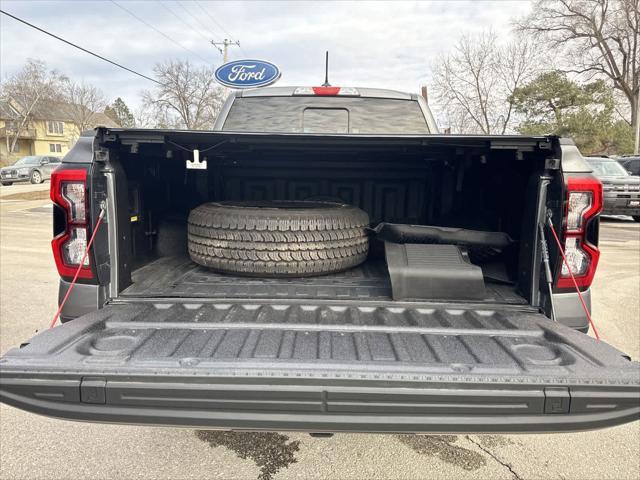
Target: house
x,y
49,130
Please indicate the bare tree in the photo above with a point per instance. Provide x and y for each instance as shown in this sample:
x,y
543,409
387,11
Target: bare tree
x,y
598,38
456,120
474,82
82,102
143,117
24,91
188,96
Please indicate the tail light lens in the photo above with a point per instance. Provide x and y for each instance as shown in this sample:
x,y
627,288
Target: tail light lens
x,y
73,249
73,194
579,204
69,193
583,203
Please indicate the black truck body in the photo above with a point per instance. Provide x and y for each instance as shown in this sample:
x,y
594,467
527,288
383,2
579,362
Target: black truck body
x,y
152,338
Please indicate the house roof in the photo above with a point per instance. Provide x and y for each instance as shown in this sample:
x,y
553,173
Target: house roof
x,y
57,111
99,119
52,111
6,112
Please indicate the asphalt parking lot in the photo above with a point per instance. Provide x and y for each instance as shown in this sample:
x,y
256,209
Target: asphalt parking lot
x,y
37,447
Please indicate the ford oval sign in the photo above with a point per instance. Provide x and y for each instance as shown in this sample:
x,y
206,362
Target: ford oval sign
x,y
247,74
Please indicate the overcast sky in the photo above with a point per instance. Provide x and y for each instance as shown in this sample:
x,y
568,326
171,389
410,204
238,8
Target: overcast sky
x,y
383,44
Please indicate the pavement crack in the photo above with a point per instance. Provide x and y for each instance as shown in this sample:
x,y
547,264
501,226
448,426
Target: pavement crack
x,y
492,455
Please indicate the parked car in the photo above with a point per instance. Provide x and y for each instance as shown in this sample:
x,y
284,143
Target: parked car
x,y
34,169
323,261
631,164
621,190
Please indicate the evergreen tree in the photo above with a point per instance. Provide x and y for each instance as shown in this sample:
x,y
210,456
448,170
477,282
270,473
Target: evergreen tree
x,y
554,104
120,113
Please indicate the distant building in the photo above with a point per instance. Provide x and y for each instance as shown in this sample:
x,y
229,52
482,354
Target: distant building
x,y
49,130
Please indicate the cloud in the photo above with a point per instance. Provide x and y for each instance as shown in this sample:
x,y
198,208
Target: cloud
x,y
377,44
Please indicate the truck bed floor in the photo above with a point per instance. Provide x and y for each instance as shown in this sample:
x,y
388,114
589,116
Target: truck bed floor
x,y
179,277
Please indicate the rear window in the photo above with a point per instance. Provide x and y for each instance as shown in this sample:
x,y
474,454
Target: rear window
x,y
325,120
326,115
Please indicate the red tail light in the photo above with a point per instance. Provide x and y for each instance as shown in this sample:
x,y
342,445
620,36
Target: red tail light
x,y
583,204
69,193
327,91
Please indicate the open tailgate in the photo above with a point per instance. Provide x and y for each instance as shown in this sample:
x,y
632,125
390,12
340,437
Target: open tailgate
x,y
323,367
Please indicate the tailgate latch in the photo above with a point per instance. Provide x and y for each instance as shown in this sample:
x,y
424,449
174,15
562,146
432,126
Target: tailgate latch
x,y
557,400
93,390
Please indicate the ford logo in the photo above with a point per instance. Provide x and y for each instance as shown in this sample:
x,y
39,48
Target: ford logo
x,y
247,74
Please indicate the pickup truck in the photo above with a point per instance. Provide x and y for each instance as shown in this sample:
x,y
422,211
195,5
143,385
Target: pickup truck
x,y
621,190
457,314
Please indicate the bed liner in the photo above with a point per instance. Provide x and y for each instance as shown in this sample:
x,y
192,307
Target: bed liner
x,y
179,277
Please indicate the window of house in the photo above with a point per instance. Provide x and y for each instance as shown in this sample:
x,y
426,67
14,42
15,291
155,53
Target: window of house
x,y
55,128
55,147
16,147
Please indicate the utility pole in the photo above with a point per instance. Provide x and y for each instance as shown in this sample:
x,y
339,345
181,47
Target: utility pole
x,y
226,43
636,146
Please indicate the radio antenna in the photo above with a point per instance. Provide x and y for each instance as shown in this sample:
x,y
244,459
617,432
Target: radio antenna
x,y
326,70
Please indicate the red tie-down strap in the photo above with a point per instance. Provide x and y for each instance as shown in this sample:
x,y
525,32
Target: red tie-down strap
x,y
573,279
75,277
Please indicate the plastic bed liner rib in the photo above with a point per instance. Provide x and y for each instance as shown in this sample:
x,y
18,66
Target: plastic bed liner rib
x,y
280,365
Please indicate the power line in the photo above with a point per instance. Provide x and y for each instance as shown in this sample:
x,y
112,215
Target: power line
x,y
213,19
190,27
158,31
225,47
217,23
80,48
196,20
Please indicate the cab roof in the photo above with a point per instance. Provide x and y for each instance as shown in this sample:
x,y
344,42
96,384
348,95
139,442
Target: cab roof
x,y
288,92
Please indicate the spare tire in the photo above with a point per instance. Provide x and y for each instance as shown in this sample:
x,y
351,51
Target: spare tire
x,y
278,238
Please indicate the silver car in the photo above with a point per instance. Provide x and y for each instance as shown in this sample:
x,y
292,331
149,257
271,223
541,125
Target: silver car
x,y
34,169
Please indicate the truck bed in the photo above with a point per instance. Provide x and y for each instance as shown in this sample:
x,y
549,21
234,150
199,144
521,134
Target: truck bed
x,y
171,277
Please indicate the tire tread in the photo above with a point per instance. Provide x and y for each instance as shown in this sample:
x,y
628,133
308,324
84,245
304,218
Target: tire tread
x,y
278,241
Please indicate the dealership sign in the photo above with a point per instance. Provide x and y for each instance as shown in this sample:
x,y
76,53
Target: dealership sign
x,y
247,74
